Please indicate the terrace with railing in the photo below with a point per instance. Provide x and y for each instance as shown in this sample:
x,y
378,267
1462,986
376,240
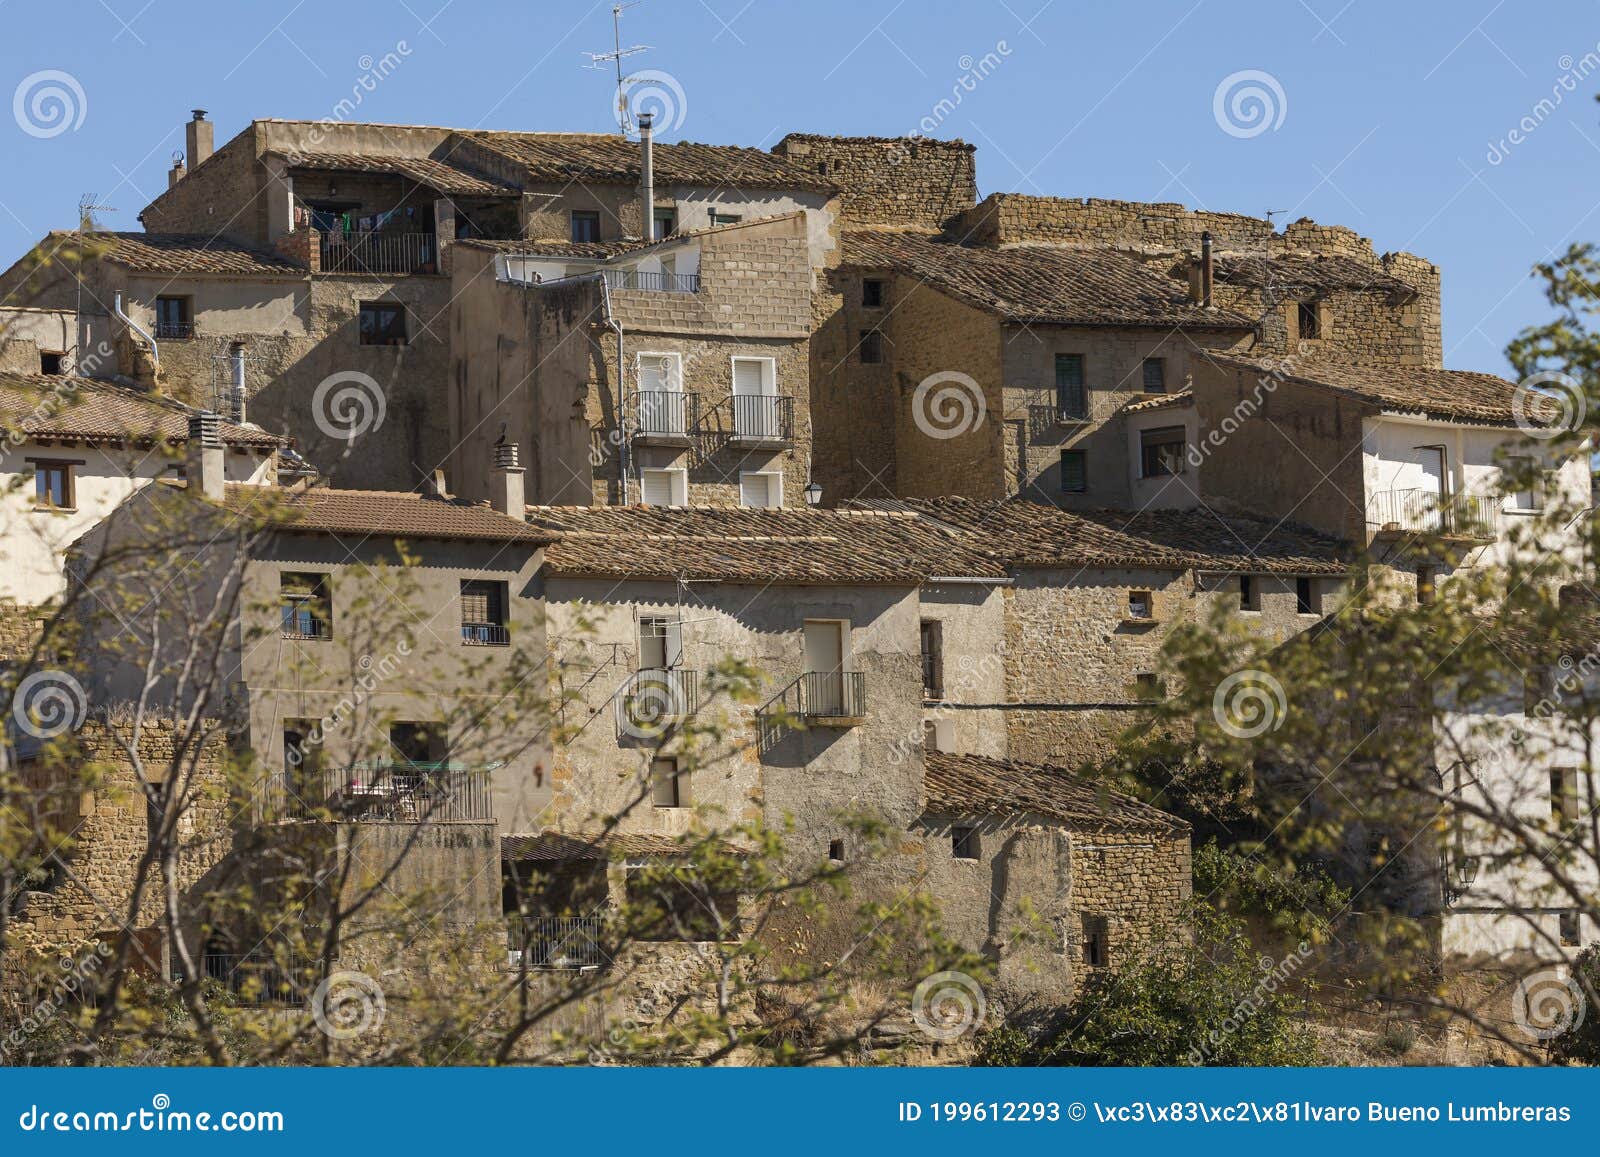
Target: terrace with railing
x,y
1473,517
381,792
378,252
556,943
652,282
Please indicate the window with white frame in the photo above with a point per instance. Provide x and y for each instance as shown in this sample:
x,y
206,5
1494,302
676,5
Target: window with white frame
x,y
761,489
664,487
757,411
660,371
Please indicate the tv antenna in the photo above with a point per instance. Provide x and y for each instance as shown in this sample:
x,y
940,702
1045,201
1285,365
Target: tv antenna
x,y
88,205
614,57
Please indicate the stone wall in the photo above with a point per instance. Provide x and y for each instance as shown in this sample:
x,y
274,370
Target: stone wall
x,y
912,181
221,196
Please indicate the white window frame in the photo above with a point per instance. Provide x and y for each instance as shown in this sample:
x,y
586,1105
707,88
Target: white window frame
x,y
774,488
769,372
674,368
678,483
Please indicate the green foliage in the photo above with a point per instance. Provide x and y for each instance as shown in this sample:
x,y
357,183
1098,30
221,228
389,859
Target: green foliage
x,y
1296,900
1581,1044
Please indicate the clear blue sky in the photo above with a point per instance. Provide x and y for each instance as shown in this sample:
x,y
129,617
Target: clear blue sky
x,y
1389,107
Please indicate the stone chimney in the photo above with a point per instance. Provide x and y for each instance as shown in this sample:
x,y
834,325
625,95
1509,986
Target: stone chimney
x,y
204,456
200,135
647,176
176,173
506,492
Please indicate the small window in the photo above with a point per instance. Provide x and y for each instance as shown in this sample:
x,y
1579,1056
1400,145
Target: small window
x,y
664,487
53,486
725,218
1425,584
1141,605
932,639
1563,796
304,605
1571,929
1162,452
761,490
836,851
660,643
872,293
1305,596
1519,471
1072,403
1148,686
1308,318
383,323
1096,942
871,347
1249,593
1155,375
666,223
51,362
174,318
669,787
300,762
418,744
1074,471
585,225
964,843
483,613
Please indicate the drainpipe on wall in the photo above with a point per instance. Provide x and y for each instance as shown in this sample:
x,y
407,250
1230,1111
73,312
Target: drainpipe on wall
x,y
647,174
1207,270
116,308
624,456
236,380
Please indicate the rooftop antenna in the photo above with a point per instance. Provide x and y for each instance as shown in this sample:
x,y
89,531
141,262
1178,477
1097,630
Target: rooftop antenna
x,y
614,57
88,206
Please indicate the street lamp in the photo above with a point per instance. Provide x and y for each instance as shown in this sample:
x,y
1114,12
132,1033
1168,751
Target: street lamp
x,y
813,493
1467,869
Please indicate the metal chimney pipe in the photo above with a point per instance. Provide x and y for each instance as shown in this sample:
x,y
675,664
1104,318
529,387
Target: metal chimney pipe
x,y
647,174
1207,269
236,391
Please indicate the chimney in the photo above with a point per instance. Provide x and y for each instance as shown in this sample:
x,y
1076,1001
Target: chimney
x,y
236,391
200,136
647,175
203,459
176,173
1207,269
506,493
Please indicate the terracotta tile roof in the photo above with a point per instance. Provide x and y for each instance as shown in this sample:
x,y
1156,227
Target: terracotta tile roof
x,y
606,157
737,545
1158,402
975,785
1447,394
1032,534
1042,284
1308,273
531,247
555,846
61,407
442,176
185,253
386,513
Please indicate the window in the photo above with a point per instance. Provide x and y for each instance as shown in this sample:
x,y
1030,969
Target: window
x,y
666,223
174,318
1519,472
417,743
664,487
931,633
383,323
725,218
1155,375
1249,593
836,851
1425,584
871,347
1141,606
872,293
304,605
660,372
1305,596
669,787
964,843
53,487
1074,472
1309,320
660,643
585,225
1571,928
1072,403
1162,452
1096,942
300,763
1563,796
1148,686
483,613
50,362
761,490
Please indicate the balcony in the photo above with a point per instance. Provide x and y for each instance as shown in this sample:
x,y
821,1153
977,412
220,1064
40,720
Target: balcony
x,y
653,700
256,980
485,635
665,417
378,253
388,792
556,943
762,419
174,331
833,698
652,282
302,622
1466,517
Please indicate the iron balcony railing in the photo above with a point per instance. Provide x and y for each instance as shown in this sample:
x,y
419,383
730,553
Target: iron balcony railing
x,y
654,699
556,942
763,417
839,694
485,635
378,252
394,792
257,980
303,622
652,282
174,331
665,413
1424,511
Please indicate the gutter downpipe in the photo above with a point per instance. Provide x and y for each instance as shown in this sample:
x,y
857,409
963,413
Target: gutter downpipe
x,y
624,451
116,308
